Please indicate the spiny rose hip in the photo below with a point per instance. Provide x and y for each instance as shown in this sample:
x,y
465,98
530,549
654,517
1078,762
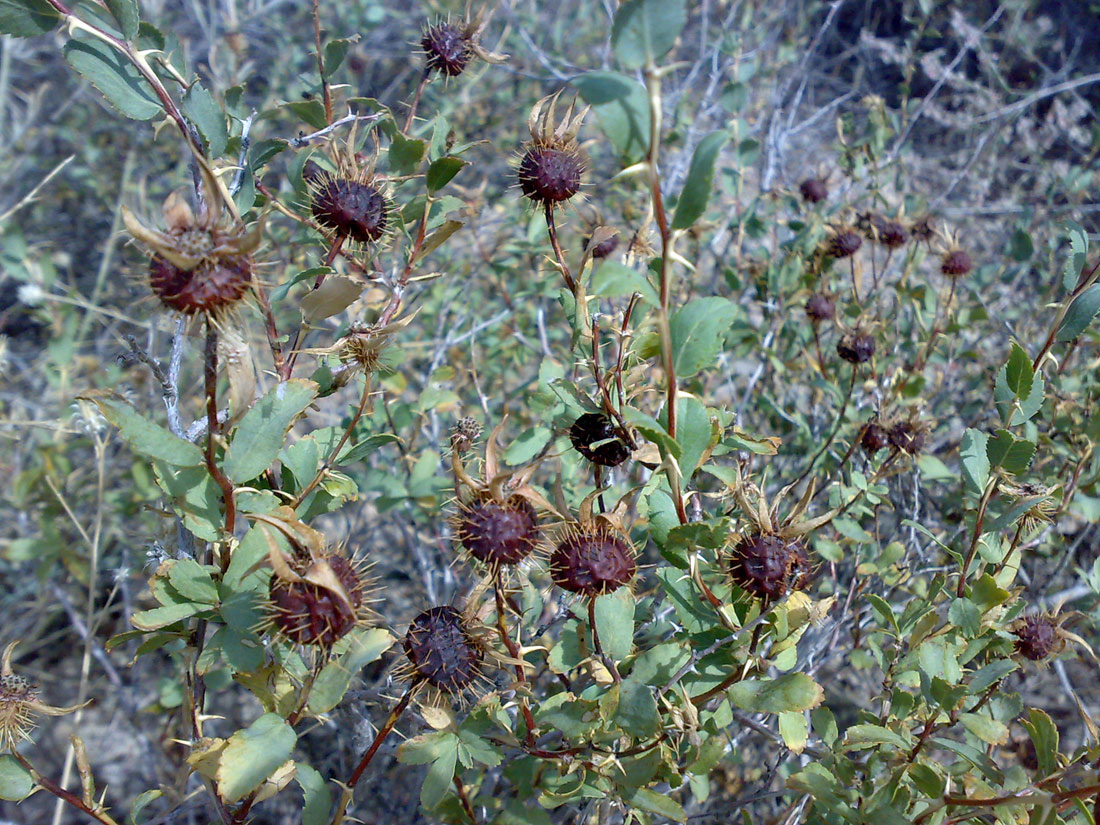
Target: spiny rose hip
x,y
442,651
767,566
907,436
892,234
820,307
856,348
498,534
351,209
211,286
603,248
1037,637
592,559
549,176
813,190
956,263
594,437
873,438
845,243
447,47
311,614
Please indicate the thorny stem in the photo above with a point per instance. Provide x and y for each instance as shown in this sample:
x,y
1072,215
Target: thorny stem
x,y
552,231
210,375
399,288
333,250
321,60
65,796
270,328
416,101
1084,284
608,662
855,286
653,85
331,459
379,738
514,652
460,789
983,505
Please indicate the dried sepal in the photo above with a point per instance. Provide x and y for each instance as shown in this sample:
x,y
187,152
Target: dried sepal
x,y
20,704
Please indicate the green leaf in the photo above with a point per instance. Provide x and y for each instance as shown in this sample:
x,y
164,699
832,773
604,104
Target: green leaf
x,y
192,581
1020,247
698,332
653,431
16,782
27,18
1078,255
405,154
696,191
160,617
614,279
1018,372
1044,734
143,801
442,171
637,711
143,435
202,110
1010,453
126,13
657,803
335,52
615,623
260,435
114,76
867,735
1079,315
694,433
975,460
335,678
318,796
795,730
986,728
621,106
1030,405
792,691
965,615
440,777
252,755
644,30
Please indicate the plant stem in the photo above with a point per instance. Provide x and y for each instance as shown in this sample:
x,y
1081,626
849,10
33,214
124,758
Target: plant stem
x,y
334,249
987,496
331,458
460,789
210,375
836,428
608,662
416,101
379,738
65,796
326,94
514,652
552,231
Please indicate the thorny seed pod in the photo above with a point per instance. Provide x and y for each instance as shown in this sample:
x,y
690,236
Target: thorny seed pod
x,y
464,433
603,248
873,438
202,263
1043,504
320,607
856,347
768,566
552,164
820,307
1038,637
598,440
498,534
19,704
449,47
446,48
443,651
892,234
592,558
813,190
350,204
907,436
956,263
844,243
922,229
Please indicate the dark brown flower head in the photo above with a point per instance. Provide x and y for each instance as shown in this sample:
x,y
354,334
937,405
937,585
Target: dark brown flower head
x,y
447,48
1038,637
592,558
597,439
923,229
813,190
464,433
202,263
443,651
873,438
768,566
908,436
844,243
321,606
956,263
856,347
551,164
498,534
820,307
352,208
